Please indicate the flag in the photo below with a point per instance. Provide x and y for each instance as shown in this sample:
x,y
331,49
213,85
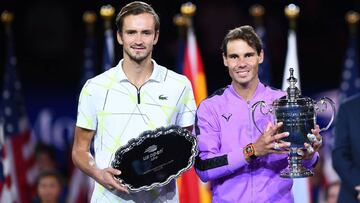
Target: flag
x,y
350,84
291,61
264,67
5,179
2,155
180,55
108,52
301,187
89,60
79,187
80,184
19,153
189,63
193,67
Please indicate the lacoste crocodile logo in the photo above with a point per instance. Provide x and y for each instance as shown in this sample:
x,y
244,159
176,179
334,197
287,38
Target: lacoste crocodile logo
x,y
227,118
162,97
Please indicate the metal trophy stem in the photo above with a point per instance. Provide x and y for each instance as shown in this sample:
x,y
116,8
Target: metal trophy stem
x,y
295,168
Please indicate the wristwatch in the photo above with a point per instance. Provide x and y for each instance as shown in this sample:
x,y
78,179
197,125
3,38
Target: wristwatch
x,y
249,152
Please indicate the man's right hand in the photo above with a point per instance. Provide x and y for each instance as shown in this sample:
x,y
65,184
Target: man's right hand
x,y
270,142
109,182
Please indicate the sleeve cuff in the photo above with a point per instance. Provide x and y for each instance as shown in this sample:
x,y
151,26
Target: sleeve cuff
x,y
236,160
311,163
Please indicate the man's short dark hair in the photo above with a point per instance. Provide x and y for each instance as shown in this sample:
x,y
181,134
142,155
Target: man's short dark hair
x,y
136,8
42,148
50,173
246,33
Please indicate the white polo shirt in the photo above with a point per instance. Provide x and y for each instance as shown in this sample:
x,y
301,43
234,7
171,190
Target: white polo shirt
x,y
118,112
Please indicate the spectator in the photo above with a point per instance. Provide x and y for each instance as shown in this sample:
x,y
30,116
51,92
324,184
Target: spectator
x,y
345,155
49,187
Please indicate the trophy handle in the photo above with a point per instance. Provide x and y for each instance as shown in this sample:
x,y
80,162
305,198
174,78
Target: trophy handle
x,y
323,106
262,104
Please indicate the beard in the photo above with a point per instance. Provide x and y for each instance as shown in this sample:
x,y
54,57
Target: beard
x,y
138,58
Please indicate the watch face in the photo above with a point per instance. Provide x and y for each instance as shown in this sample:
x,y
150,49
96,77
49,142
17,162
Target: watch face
x,y
249,150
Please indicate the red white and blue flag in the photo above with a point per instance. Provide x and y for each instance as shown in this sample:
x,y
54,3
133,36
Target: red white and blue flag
x,y
350,84
17,151
80,185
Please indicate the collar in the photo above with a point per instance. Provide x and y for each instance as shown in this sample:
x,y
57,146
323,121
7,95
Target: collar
x,y
259,88
156,74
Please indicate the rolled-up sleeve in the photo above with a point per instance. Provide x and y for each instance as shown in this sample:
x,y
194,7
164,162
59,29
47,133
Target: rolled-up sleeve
x,y
311,163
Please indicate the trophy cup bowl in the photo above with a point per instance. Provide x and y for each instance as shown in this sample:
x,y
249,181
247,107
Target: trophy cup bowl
x,y
298,115
298,119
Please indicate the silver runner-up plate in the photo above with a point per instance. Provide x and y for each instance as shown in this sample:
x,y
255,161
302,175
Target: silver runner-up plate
x,y
155,158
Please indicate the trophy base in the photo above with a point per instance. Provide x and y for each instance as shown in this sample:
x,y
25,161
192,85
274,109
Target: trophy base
x,y
295,168
299,172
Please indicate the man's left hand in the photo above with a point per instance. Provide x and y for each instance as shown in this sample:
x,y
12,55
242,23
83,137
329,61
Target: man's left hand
x,y
315,143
